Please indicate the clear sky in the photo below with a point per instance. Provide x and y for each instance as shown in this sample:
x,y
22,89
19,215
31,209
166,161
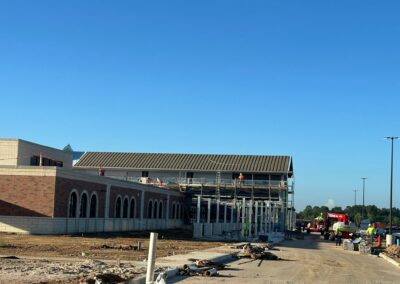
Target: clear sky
x,y
318,80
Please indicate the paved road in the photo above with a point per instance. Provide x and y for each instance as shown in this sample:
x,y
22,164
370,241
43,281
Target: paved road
x,y
307,261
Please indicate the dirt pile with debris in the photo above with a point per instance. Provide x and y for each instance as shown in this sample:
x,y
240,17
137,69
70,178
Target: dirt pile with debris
x,y
14,270
257,252
393,251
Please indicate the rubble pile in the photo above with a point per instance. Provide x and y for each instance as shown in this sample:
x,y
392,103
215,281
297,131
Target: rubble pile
x,y
256,252
352,245
365,247
50,270
203,267
393,251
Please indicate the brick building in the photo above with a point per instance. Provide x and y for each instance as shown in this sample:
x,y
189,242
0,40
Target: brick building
x,y
42,193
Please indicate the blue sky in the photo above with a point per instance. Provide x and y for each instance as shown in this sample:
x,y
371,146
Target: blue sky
x,y
318,80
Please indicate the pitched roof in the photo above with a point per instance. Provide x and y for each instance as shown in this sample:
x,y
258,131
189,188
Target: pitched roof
x,y
187,162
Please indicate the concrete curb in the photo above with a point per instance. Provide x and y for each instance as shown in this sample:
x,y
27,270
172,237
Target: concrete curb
x,y
172,272
389,259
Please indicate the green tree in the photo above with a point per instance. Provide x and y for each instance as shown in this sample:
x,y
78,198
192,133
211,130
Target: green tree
x,y
358,219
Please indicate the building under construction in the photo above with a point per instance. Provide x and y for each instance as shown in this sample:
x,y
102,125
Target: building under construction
x,y
226,196
50,191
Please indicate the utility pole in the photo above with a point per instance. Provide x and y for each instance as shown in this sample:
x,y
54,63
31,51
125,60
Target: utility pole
x,y
391,184
355,197
363,206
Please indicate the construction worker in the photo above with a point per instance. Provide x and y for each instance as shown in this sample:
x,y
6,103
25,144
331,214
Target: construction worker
x,y
338,236
371,232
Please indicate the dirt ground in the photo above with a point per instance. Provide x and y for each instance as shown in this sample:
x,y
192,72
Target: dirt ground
x,y
103,247
306,261
75,259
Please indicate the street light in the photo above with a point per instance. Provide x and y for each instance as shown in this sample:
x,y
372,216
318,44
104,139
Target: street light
x,y
391,183
362,214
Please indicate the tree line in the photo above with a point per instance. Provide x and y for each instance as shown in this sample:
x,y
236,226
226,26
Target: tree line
x,y
373,213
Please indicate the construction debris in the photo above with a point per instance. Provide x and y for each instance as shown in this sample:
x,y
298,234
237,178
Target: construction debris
x,y
139,246
393,251
203,267
256,252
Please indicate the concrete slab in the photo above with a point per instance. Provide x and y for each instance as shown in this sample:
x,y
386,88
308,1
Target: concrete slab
x,y
198,230
207,227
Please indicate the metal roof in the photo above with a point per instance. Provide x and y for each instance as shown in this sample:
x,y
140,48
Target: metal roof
x,y
187,162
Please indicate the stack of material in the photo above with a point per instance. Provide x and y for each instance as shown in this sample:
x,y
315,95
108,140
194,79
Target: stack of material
x,y
348,245
393,251
256,252
365,247
203,267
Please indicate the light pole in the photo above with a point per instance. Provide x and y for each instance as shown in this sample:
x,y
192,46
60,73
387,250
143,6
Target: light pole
x,y
391,183
362,214
355,197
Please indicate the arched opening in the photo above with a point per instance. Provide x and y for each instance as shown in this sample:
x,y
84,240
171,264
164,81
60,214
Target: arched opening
x,y
155,210
132,209
125,208
73,198
160,210
150,209
93,206
118,208
83,208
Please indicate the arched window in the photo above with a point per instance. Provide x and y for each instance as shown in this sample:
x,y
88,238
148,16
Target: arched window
x,y
132,209
125,208
155,210
160,212
118,207
83,209
72,205
93,206
150,209
173,211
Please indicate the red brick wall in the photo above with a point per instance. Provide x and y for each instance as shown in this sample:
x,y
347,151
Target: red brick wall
x,y
65,186
27,196
115,191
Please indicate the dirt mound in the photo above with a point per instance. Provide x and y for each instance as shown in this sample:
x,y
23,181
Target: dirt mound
x,y
393,250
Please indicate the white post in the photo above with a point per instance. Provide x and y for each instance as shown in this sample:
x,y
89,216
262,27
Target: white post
x,y
225,212
198,208
261,216
243,215
209,211
217,217
151,259
232,213
269,217
250,217
238,213
255,220
244,210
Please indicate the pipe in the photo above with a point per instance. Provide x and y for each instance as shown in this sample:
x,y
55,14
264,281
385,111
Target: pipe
x,y
211,272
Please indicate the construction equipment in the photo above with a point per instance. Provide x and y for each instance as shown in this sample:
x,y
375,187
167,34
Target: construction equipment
x,y
337,220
